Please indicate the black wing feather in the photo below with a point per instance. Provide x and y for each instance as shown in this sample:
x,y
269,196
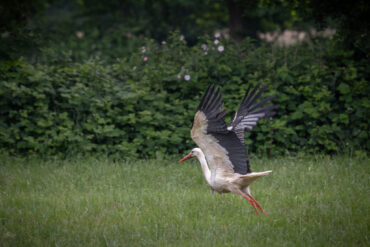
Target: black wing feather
x,y
237,152
250,112
212,106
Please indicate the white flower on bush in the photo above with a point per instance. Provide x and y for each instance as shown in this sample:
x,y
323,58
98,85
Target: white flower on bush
x,y
187,77
216,42
5,35
179,76
143,49
80,34
204,47
164,42
205,53
182,37
220,48
217,35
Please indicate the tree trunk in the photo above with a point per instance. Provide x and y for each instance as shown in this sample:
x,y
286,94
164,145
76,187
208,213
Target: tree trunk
x,y
235,19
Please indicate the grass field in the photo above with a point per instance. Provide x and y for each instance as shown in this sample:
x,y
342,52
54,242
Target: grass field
x,y
311,200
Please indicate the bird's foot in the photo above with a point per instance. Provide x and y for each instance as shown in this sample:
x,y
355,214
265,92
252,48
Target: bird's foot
x,y
258,205
251,202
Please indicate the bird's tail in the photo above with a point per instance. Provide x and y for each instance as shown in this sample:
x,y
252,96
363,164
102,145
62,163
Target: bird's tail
x,y
247,179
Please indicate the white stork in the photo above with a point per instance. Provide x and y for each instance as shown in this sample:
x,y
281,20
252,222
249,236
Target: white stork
x,y
223,145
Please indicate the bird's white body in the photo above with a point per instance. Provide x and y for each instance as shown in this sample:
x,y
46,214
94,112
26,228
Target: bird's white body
x,y
224,182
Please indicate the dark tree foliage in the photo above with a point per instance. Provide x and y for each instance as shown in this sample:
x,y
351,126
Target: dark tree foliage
x,y
16,37
351,18
115,28
25,25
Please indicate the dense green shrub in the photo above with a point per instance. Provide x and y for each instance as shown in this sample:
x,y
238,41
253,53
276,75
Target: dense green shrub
x,y
143,105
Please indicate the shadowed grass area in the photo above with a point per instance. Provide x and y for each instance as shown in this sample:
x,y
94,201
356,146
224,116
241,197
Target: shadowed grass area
x,y
311,200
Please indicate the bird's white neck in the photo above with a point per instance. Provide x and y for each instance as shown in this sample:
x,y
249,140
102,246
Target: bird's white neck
x,y
205,169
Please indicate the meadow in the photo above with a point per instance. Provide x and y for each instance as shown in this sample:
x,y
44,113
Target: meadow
x,y
312,200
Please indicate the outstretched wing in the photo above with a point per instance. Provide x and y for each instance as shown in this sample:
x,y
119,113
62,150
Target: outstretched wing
x,y
222,147
250,111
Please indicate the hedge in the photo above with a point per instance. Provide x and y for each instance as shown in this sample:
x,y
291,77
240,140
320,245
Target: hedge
x,y
143,105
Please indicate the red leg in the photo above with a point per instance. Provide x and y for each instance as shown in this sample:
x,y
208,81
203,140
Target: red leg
x,y
258,205
251,202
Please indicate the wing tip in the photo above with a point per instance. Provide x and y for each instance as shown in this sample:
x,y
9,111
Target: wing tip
x,y
208,93
212,100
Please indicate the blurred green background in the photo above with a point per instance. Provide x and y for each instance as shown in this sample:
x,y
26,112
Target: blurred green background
x,y
123,78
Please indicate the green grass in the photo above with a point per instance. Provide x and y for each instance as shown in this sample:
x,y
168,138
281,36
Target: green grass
x,y
311,200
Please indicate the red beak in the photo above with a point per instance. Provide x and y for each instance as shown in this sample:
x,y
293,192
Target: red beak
x,y
185,158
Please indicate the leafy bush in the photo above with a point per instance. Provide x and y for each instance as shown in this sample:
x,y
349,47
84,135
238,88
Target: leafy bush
x,y
143,105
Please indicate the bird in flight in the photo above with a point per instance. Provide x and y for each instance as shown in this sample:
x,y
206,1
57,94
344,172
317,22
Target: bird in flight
x,y
222,146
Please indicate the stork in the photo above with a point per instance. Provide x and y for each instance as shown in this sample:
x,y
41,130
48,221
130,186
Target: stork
x,y
223,147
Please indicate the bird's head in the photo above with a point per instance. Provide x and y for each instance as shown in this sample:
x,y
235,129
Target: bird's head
x,y
195,152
